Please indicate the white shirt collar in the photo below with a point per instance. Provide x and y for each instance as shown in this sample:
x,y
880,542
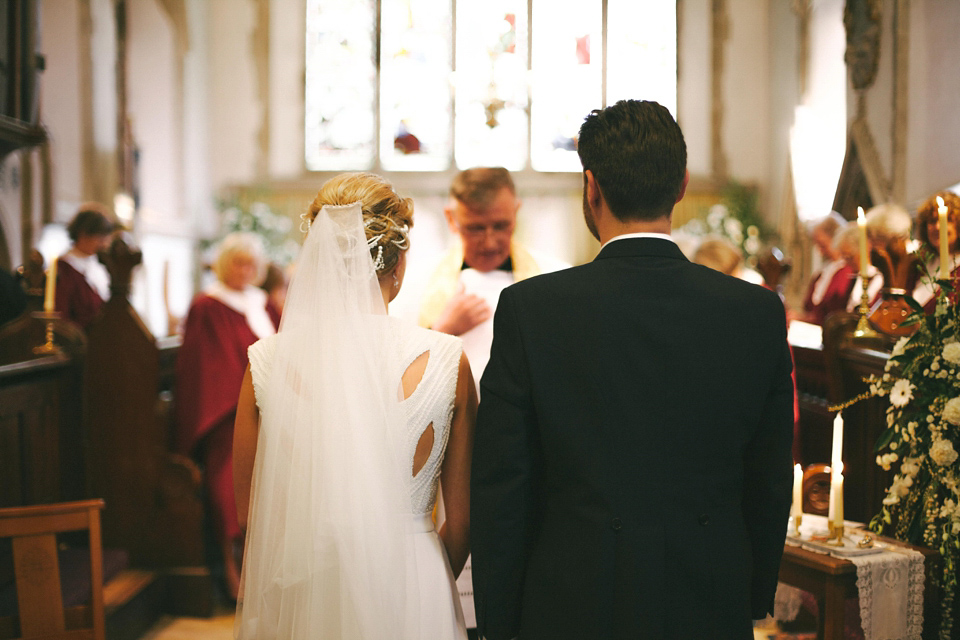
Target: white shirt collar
x,y
91,269
662,236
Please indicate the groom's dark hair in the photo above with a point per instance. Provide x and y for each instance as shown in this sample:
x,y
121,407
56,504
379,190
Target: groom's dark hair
x,y
637,155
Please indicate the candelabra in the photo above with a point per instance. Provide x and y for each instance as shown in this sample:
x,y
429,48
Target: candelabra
x,y
863,325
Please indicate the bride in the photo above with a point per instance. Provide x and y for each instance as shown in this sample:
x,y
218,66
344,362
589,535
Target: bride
x,y
347,421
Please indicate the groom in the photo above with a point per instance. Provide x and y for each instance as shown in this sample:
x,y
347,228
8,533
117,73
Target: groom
x,y
631,469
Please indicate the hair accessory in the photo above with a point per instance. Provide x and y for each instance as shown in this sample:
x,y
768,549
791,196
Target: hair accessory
x,y
305,222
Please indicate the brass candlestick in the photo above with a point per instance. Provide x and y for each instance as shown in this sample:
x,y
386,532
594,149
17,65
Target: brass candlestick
x,y
836,535
863,325
48,347
797,520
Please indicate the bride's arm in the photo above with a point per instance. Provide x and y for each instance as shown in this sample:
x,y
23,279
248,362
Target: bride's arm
x,y
245,432
455,472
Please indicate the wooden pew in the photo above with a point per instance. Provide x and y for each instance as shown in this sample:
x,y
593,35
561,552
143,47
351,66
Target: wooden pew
x,y
154,504
93,421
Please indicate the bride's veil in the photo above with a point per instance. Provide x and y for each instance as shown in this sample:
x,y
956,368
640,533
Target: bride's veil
x,y
328,553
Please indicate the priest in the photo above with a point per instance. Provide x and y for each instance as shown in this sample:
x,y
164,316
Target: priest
x,y
461,294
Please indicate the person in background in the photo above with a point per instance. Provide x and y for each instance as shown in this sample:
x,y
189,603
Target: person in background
x,y
928,233
275,285
461,294
223,321
887,224
830,287
722,255
83,283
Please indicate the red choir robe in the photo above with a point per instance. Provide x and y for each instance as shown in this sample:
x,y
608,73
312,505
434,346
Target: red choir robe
x,y
210,367
75,298
926,292
829,291
274,314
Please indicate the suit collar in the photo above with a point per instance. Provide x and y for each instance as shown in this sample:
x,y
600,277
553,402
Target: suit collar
x,y
648,246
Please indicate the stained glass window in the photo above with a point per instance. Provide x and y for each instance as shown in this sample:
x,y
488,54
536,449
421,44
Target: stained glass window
x,y
470,82
491,83
340,88
415,66
567,78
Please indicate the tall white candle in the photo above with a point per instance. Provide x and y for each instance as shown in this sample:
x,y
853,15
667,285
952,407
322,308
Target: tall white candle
x,y
836,497
836,457
49,292
864,255
797,507
944,247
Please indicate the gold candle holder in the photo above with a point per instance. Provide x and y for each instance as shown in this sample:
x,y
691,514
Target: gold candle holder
x,y
836,535
797,521
48,347
863,329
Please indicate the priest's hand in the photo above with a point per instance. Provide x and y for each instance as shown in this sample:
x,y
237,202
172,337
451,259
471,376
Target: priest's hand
x,y
463,312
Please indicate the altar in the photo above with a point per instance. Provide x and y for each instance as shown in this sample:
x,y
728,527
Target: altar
x,y
833,580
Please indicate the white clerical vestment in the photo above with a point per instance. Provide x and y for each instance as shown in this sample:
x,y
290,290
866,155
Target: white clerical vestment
x,y
443,284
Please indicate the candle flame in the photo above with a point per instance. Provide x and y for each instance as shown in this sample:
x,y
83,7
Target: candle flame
x,y
860,217
939,202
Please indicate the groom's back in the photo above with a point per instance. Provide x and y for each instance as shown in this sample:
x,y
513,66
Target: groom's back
x,y
648,376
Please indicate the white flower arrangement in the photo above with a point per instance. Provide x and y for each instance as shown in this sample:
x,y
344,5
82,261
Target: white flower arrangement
x,y
922,381
901,393
951,352
275,229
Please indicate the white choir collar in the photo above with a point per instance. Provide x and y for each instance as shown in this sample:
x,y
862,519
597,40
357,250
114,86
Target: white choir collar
x,y
91,269
251,302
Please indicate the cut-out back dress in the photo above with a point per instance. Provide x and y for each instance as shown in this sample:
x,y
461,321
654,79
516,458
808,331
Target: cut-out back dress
x,y
429,405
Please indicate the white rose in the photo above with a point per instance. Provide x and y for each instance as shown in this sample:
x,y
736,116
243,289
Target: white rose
x,y
951,352
942,453
951,412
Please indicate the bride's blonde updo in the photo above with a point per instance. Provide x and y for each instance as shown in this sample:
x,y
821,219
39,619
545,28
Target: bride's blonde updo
x,y
385,213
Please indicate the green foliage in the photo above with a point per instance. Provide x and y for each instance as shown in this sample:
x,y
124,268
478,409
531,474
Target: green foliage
x,y
922,380
258,218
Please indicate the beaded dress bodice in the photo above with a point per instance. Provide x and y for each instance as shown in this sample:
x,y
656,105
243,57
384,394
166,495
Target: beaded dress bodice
x,y
430,403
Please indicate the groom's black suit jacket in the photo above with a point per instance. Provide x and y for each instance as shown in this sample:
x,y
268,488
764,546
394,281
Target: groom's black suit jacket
x,y
631,469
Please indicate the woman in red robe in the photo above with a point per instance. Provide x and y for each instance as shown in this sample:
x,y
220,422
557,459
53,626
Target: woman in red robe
x,y
222,322
928,233
82,281
830,289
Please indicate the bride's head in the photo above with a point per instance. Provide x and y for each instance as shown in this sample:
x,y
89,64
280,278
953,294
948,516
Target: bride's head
x,y
384,213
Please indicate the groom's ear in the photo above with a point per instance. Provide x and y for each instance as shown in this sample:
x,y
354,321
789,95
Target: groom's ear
x,y
591,190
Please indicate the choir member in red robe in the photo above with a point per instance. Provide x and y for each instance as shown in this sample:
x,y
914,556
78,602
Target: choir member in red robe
x,y
928,233
222,322
831,287
82,281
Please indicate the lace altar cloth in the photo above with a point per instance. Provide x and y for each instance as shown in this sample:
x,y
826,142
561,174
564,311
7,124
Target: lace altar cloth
x,y
890,581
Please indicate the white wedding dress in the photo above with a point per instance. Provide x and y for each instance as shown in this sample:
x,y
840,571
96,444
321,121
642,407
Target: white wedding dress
x,y
431,583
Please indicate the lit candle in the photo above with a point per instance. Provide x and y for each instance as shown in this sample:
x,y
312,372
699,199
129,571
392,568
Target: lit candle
x,y
836,458
864,256
835,511
944,249
49,291
796,508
